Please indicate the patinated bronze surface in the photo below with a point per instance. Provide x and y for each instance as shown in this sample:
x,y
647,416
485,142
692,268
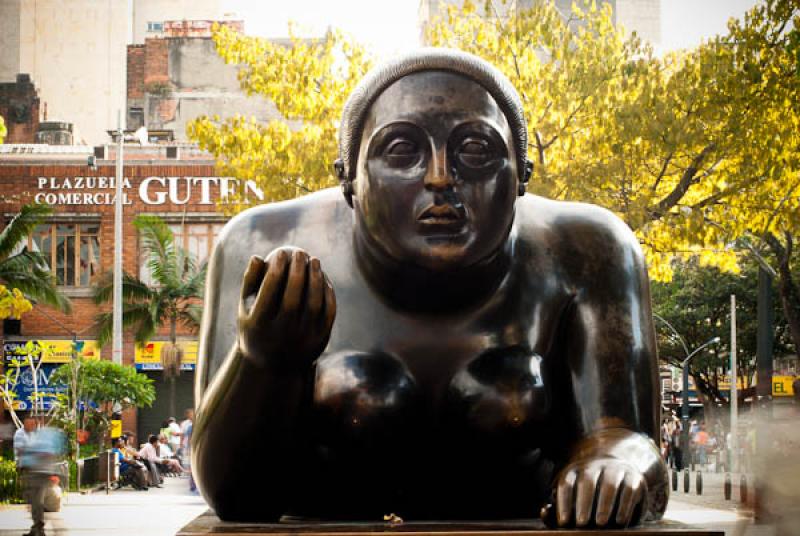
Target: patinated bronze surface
x,y
443,349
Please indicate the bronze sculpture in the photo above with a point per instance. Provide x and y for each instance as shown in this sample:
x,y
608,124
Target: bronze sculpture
x,y
437,343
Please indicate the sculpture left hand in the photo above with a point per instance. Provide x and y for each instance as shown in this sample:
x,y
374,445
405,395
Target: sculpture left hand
x,y
613,485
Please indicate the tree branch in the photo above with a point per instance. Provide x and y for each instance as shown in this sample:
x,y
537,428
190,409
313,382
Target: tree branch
x,y
683,185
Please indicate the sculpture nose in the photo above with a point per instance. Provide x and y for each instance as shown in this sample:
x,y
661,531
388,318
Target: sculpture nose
x,y
438,177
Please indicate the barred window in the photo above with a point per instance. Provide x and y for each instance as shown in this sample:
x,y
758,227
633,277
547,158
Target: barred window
x,y
196,238
72,251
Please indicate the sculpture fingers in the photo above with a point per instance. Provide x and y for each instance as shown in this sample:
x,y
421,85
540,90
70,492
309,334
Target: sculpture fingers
x,y
295,285
315,294
564,497
269,294
251,282
640,500
607,491
584,496
330,306
631,494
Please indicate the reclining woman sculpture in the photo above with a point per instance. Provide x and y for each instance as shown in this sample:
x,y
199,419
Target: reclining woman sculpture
x,y
435,343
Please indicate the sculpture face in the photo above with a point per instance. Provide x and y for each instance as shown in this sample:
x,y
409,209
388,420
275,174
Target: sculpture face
x,y
437,176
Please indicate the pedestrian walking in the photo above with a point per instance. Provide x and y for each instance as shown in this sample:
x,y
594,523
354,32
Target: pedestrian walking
x,y
38,457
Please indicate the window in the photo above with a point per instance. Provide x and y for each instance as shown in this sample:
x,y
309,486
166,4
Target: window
x,y
155,26
72,251
196,238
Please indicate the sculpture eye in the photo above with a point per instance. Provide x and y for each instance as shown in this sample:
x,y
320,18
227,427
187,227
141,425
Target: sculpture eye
x,y
475,152
401,153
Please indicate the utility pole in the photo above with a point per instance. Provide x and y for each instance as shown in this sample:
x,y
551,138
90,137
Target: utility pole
x,y
764,341
734,393
116,352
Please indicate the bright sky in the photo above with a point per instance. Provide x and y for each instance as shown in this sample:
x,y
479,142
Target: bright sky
x,y
389,26
684,23
384,26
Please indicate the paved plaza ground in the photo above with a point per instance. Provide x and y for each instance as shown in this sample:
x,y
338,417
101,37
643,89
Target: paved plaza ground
x,y
161,512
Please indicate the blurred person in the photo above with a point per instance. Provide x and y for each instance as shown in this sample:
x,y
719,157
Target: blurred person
x,y
172,431
21,437
150,458
169,461
700,442
39,457
184,425
677,451
130,466
187,436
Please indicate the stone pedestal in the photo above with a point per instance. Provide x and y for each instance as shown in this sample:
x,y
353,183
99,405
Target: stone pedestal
x,y
208,524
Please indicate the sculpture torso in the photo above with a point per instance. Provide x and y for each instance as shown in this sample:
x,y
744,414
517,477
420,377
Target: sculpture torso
x,y
434,346
477,395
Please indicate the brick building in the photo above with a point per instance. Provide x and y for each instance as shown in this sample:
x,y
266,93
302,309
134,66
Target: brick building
x,y
19,107
176,182
179,76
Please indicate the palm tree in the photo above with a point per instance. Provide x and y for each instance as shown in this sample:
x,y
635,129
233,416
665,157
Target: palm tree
x,y
25,269
171,299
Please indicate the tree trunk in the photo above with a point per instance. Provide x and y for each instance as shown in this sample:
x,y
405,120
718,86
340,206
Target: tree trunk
x,y
787,289
172,396
173,337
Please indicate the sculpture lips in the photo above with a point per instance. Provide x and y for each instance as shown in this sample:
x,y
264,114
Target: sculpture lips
x,y
442,215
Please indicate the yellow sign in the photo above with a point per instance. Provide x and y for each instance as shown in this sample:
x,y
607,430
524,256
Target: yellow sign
x,y
148,357
116,428
781,385
52,351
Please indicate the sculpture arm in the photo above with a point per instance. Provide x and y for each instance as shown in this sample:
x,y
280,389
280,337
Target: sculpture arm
x,y
247,409
613,370
284,307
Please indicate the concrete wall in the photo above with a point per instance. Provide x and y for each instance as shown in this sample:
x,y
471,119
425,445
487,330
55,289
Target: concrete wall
x,y
74,51
145,11
10,13
178,79
641,16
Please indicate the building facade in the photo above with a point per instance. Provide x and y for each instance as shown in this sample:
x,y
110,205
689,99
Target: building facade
x,y
179,76
74,53
78,241
150,17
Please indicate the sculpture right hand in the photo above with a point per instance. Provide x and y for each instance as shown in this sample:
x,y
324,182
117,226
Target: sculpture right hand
x,y
286,309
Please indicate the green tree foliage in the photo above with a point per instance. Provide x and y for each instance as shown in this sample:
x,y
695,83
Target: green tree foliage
x,y
696,302
24,269
172,298
694,150
105,386
308,81
3,130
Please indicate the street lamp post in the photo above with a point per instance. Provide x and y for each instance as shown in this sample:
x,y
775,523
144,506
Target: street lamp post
x,y
685,372
685,397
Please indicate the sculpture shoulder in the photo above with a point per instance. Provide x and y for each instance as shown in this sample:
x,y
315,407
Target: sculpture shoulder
x,y
585,239
277,221
291,222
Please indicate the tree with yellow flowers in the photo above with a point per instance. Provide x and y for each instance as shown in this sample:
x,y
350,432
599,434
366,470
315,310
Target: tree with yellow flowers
x,y
696,150
308,82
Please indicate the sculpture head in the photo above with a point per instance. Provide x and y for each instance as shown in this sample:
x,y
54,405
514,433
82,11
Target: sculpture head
x,y
432,158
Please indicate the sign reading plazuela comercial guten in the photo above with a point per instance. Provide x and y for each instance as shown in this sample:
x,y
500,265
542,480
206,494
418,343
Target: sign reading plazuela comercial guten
x,y
153,190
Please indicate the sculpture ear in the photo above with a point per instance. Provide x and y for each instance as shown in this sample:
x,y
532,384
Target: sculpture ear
x,y
347,184
526,176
